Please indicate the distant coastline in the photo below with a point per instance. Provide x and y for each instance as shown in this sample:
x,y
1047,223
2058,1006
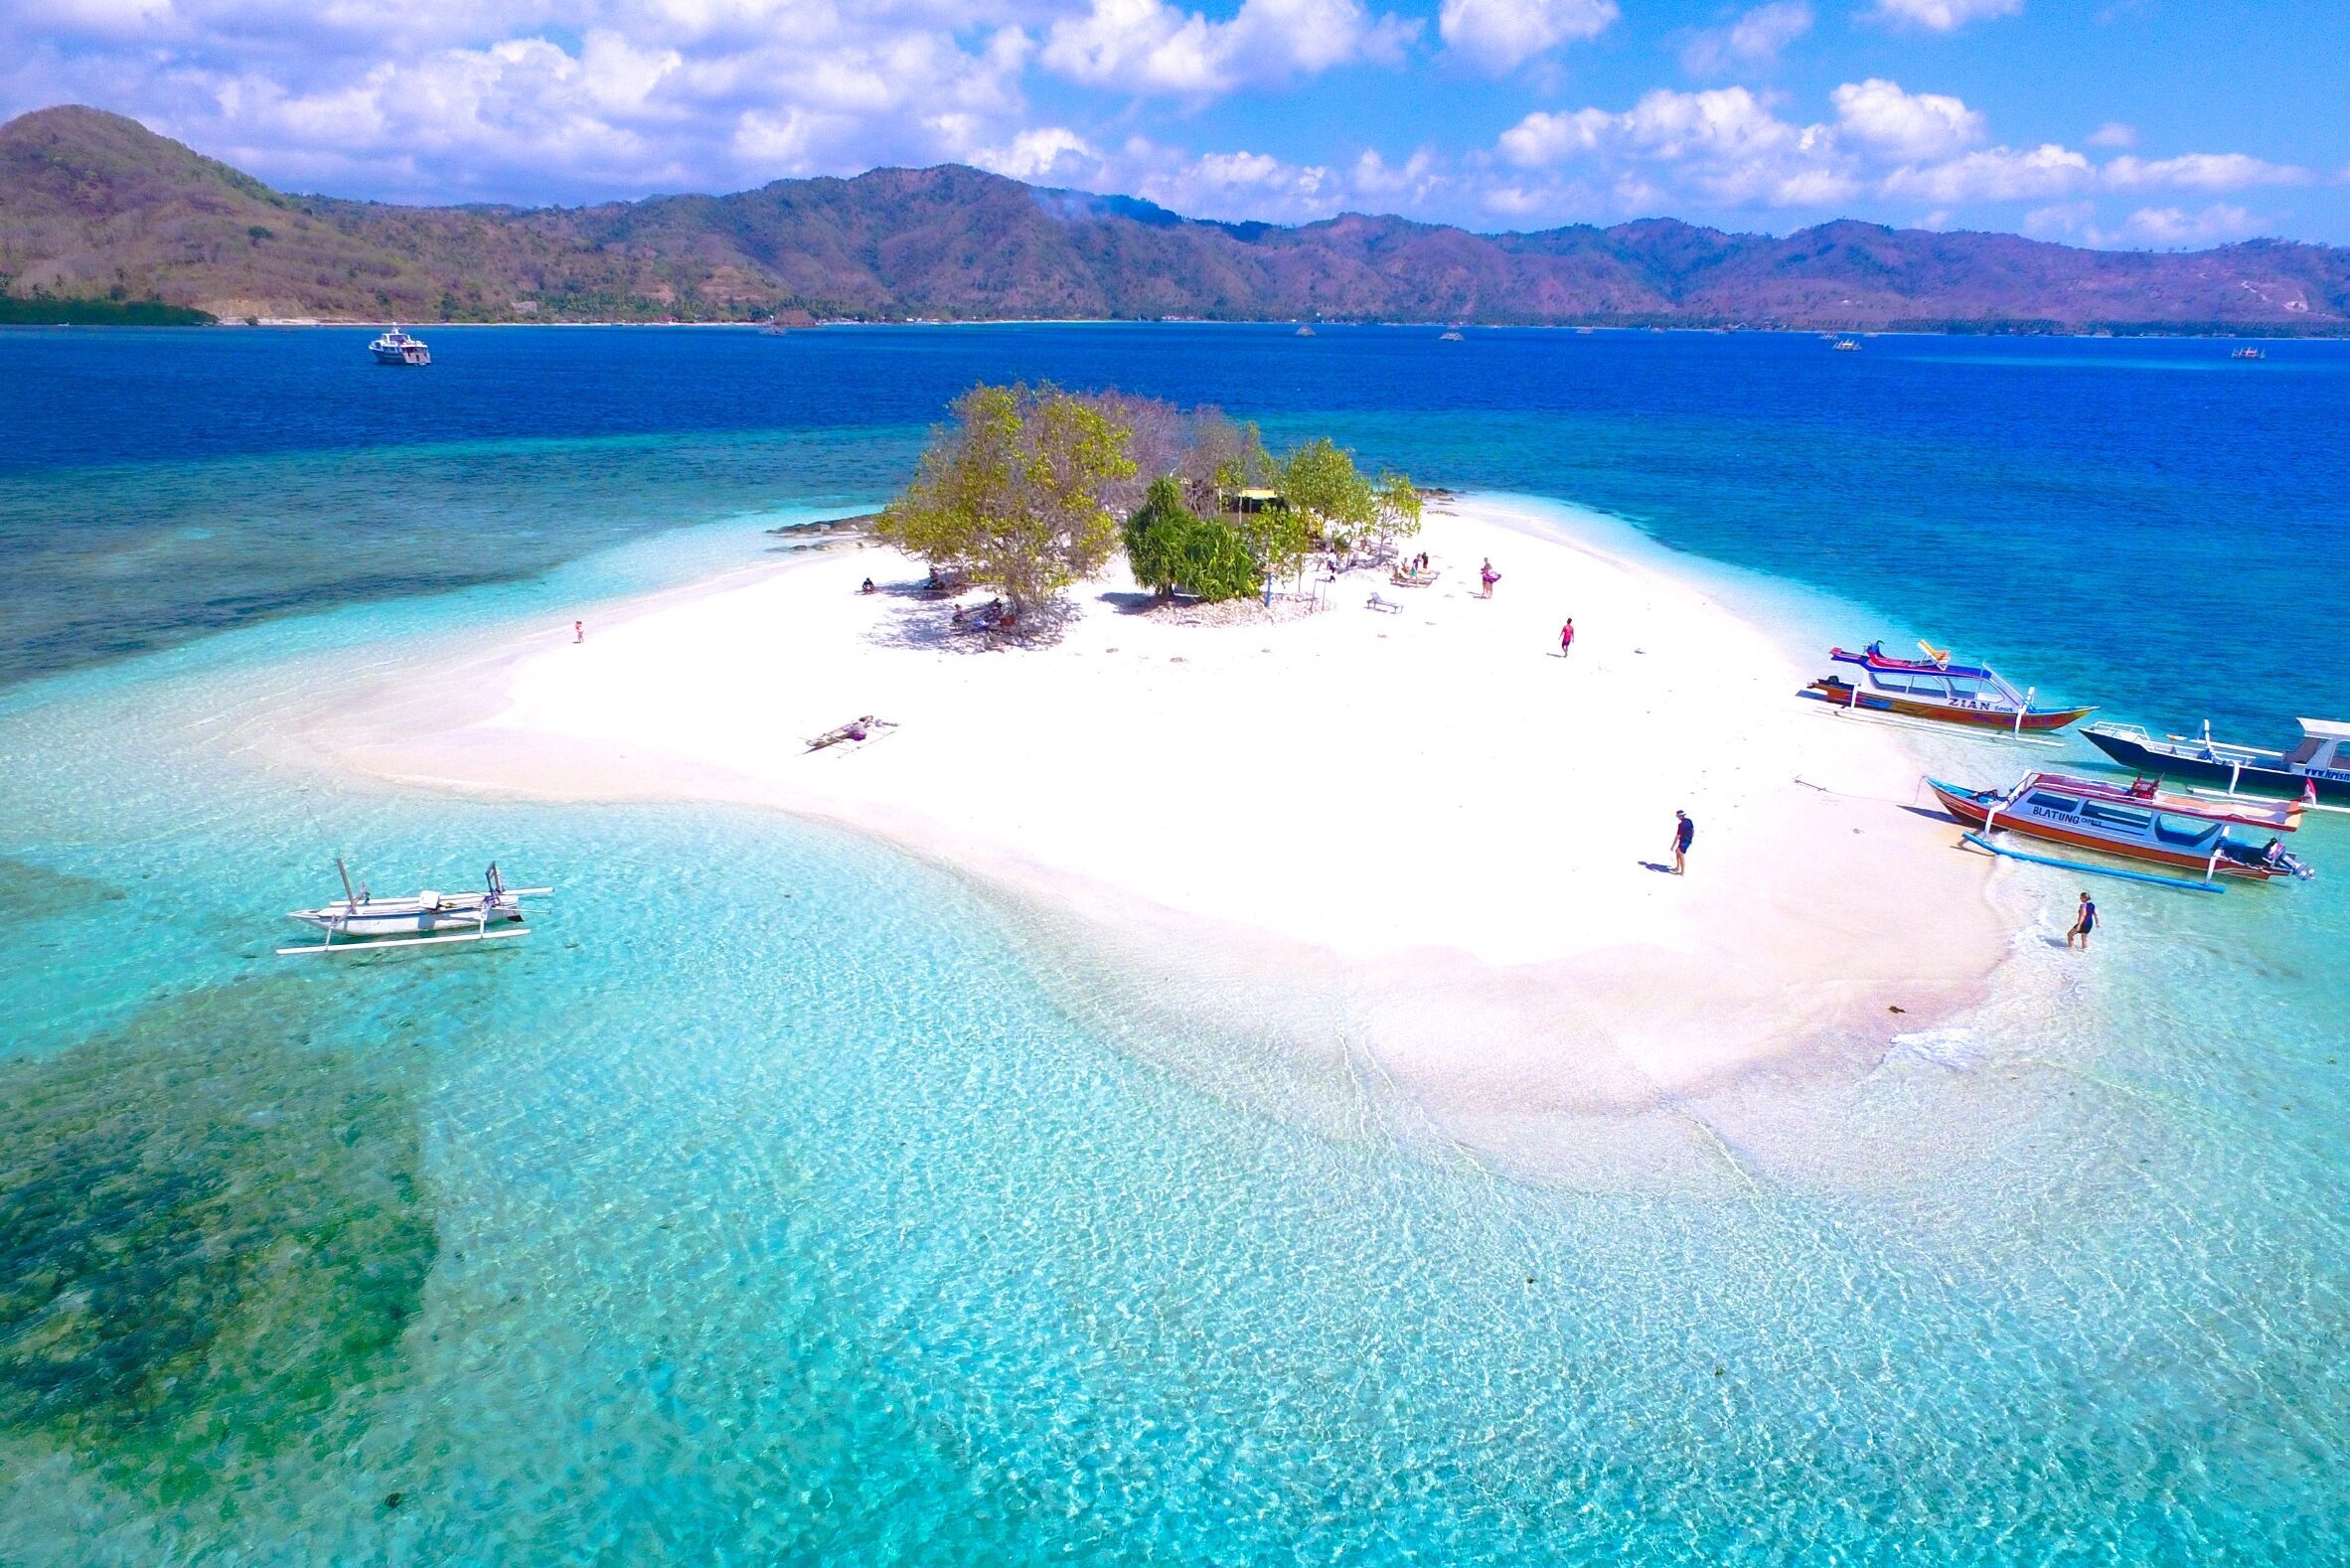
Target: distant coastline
x,y
103,213
22,313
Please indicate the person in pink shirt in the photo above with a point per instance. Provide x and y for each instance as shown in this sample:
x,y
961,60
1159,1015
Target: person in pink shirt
x,y
1566,638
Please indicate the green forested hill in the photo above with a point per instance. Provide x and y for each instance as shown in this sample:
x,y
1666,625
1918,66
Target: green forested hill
x,y
95,207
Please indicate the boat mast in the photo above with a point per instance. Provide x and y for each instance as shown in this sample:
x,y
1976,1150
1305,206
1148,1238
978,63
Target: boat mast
x,y
348,896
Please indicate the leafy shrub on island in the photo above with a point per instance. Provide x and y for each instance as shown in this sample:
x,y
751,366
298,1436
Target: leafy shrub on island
x,y
1023,489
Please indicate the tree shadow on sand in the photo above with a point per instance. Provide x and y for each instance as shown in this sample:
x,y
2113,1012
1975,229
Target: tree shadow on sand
x,y
924,620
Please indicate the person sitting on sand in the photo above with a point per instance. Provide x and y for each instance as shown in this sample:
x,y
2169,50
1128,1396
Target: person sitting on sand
x,y
869,586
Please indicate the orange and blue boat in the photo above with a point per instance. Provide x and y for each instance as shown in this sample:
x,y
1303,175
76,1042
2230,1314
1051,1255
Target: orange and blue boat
x,y
1934,689
2138,821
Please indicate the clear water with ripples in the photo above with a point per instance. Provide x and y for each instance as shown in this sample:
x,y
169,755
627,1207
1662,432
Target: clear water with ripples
x,y
785,1200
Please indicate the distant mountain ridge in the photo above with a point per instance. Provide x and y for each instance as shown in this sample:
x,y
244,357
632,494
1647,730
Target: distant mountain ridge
x,y
93,207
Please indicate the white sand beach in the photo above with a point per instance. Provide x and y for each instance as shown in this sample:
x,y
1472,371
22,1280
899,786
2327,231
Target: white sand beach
x,y
1425,830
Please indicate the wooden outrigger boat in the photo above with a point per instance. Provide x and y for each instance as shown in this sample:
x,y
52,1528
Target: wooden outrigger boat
x,y
2321,763
2136,821
367,923
1934,689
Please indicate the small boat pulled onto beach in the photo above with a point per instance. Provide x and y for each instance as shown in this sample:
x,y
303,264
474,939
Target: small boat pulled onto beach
x,y
2135,822
365,923
2321,763
398,348
1934,689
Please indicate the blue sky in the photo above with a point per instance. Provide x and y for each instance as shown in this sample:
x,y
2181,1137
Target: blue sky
x,y
2138,123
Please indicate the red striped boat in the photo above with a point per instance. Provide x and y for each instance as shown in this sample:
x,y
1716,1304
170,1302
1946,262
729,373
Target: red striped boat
x,y
1934,689
2137,821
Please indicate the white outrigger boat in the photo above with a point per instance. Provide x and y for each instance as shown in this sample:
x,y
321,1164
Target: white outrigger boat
x,y
368,923
2132,822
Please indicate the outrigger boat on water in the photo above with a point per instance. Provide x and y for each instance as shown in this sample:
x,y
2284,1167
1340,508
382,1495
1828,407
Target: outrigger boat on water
x,y
1933,688
2321,763
2136,821
367,923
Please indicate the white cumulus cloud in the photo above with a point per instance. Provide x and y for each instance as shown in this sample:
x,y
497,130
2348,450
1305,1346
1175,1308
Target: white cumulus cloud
x,y
2114,133
2202,171
1151,47
1049,152
1408,184
1502,35
1879,115
1945,16
1724,144
1753,40
2171,226
1995,174
1239,185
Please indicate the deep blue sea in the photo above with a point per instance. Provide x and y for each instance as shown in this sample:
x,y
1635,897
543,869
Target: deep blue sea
x,y
787,1200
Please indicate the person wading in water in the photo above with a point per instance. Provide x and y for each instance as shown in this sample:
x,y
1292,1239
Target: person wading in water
x,y
2084,921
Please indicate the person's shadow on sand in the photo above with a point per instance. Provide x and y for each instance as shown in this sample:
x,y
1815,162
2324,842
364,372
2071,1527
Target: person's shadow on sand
x,y
1655,866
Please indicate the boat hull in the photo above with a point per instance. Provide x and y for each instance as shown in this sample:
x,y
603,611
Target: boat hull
x,y
1831,690
341,921
1973,809
2156,762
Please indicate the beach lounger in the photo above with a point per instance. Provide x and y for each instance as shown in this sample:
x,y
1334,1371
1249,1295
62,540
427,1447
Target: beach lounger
x,y
1424,579
1382,603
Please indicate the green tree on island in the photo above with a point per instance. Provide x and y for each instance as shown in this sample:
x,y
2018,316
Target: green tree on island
x,y
1395,509
1010,493
1321,482
1173,548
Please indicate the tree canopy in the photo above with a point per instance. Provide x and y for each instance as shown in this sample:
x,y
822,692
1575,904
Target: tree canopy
x,y
1012,493
1395,508
1321,480
1171,547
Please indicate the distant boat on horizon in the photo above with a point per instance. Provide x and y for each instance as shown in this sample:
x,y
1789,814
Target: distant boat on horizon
x,y
1451,335
398,348
1846,346
1304,331
2247,353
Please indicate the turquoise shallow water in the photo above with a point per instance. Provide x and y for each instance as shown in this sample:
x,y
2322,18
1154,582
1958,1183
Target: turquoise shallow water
x,y
783,1199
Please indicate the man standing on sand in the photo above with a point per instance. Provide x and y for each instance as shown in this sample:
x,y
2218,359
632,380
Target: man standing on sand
x,y
578,631
1684,833
2084,921
1566,638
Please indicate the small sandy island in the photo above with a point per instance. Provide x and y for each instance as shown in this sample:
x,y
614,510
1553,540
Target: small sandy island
x,y
1421,837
